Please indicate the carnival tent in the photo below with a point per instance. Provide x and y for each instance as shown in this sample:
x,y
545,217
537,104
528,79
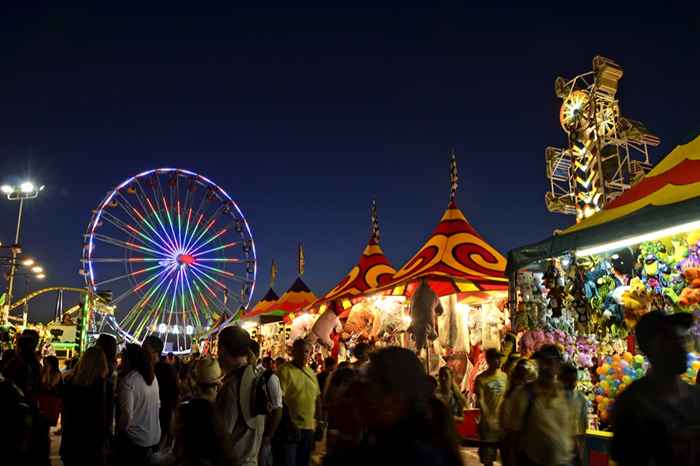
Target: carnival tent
x,y
455,259
296,298
667,197
372,270
263,306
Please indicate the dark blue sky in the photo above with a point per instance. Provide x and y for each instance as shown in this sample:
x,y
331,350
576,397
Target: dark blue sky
x,y
305,115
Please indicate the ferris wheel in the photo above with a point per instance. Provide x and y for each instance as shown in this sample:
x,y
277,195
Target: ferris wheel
x,y
175,253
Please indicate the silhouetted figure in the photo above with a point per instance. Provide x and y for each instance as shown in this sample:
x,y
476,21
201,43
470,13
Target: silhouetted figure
x,y
405,424
490,387
200,439
656,420
539,421
85,433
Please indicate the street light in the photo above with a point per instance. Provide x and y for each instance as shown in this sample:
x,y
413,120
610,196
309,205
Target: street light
x,y
28,262
37,269
36,272
26,190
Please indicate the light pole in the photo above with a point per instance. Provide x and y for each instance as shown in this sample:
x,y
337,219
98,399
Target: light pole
x,y
32,270
25,190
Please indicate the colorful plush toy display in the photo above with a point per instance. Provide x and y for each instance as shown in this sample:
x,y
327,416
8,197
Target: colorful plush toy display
x,y
690,296
635,301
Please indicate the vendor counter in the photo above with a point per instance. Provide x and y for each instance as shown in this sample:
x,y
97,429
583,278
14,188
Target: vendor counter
x,y
596,452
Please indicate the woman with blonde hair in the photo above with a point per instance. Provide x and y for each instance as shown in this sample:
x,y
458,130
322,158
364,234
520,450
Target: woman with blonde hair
x,y
85,430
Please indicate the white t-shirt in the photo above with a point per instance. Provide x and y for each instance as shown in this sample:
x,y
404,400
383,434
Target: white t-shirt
x,y
274,392
139,406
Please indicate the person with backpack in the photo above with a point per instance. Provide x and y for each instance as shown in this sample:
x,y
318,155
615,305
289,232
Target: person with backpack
x,y
539,420
267,402
302,396
235,400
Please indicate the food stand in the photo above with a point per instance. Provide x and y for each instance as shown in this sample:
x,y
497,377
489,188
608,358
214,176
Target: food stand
x,y
587,286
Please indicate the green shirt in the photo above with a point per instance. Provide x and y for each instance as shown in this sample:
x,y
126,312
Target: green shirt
x,y
301,390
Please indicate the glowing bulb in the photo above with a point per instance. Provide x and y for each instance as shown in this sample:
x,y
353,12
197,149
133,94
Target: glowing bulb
x,y
41,276
28,262
162,328
37,269
6,189
27,187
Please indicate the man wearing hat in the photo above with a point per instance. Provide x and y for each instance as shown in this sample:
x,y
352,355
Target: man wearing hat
x,y
234,400
656,420
207,378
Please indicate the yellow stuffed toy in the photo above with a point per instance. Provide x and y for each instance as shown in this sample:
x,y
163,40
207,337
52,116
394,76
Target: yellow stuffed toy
x,y
635,301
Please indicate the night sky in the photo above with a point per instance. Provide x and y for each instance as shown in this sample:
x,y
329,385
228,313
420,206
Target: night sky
x,y
306,115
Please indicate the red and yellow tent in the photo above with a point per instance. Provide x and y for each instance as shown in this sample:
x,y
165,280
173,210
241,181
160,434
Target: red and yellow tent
x,y
372,271
455,259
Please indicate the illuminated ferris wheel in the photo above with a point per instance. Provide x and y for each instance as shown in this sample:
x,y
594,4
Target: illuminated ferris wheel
x,y
175,253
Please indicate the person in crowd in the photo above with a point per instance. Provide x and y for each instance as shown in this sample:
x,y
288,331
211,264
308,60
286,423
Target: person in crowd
x,y
25,369
508,347
344,364
18,420
302,397
656,420
207,376
539,415
186,386
344,425
48,399
108,344
234,400
329,365
138,426
448,392
51,376
84,439
270,384
168,388
200,439
361,353
269,364
405,424
510,362
279,362
254,357
490,387
578,410
521,375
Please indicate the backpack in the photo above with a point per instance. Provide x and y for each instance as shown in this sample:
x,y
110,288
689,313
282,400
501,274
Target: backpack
x,y
261,397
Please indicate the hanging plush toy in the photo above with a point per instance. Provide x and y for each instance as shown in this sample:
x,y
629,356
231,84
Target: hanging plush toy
x,y
555,294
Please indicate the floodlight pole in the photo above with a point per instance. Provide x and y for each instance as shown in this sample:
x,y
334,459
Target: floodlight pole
x,y
13,264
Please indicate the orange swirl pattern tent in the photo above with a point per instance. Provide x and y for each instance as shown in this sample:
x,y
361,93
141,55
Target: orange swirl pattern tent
x,y
455,259
372,271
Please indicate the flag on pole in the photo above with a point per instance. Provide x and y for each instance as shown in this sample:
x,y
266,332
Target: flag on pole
x,y
301,260
273,273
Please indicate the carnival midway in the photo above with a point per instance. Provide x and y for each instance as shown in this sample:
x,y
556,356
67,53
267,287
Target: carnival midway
x,y
169,264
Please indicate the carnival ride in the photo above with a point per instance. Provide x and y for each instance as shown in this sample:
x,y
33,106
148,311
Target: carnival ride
x,y
606,153
175,252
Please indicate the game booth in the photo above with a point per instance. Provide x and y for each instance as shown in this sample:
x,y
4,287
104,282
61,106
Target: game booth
x,y
586,287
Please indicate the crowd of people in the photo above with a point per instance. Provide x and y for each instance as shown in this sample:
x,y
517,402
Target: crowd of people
x,y
137,407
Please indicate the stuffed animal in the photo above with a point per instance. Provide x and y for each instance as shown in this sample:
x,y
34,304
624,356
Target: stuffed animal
x,y
690,295
301,326
324,325
635,301
359,323
389,319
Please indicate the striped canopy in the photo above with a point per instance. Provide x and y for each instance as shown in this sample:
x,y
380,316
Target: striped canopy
x,y
667,196
263,306
296,298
